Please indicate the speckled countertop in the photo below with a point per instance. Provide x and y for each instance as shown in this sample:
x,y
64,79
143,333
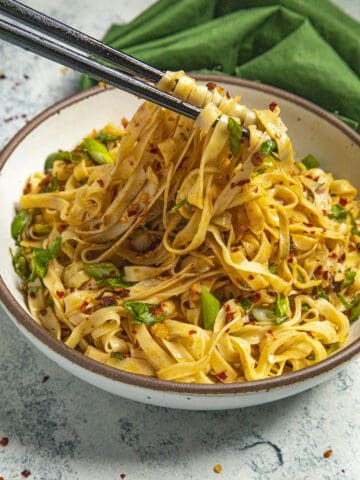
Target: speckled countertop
x,y
65,429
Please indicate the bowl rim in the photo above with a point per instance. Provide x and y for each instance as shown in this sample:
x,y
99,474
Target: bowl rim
x,y
24,320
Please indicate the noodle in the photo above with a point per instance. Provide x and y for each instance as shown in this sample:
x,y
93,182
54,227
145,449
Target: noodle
x,y
191,251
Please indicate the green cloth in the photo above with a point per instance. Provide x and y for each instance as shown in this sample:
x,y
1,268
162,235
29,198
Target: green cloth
x,y
308,47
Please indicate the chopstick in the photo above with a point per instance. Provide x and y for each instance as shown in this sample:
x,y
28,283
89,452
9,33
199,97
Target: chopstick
x,y
77,61
45,24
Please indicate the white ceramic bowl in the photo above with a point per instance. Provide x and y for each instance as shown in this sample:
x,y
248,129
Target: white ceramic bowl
x,y
311,129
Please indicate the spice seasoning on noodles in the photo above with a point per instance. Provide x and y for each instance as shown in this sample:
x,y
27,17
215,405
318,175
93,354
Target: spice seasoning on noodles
x,y
197,252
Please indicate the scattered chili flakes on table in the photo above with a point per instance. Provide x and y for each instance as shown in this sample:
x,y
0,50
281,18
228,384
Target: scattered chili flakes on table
x,y
217,468
4,441
328,453
26,473
45,378
122,475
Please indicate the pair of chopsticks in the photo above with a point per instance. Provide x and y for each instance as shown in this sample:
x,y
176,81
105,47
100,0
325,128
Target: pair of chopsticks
x,y
69,57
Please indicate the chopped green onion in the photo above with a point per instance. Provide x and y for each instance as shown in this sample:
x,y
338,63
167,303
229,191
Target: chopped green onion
x,y
349,278
97,151
53,157
338,213
310,162
20,264
343,301
141,312
273,268
210,307
178,205
118,355
235,132
305,308
246,304
353,311
263,314
281,309
106,137
20,221
268,147
321,292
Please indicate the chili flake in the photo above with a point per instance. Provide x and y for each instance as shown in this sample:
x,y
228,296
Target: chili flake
x,y
45,378
4,441
192,332
26,473
221,376
211,85
328,453
100,181
272,106
342,201
229,316
60,293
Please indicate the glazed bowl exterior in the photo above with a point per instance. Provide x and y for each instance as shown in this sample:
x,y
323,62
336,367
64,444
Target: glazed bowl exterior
x,y
311,129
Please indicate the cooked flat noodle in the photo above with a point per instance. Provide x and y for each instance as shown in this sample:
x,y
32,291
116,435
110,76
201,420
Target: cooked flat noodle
x,y
204,253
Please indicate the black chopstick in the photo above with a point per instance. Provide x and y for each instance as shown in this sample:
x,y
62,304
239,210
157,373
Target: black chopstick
x,y
50,26
72,59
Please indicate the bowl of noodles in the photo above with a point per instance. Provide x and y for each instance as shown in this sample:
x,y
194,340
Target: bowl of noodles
x,y
207,264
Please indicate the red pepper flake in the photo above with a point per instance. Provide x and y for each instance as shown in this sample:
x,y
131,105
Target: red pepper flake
x,y
122,292
192,332
325,275
2,478
154,150
108,300
211,85
342,201
131,213
4,441
324,212
272,106
60,293
229,317
227,308
318,270
256,189
342,258
328,453
83,307
32,294
100,181
124,122
43,312
333,255
122,475
26,473
62,227
157,311
290,257
133,332
221,376
270,332
250,277
65,332
255,298
308,224
45,378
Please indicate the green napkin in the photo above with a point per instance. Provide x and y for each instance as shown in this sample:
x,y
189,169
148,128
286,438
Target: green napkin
x,y
308,47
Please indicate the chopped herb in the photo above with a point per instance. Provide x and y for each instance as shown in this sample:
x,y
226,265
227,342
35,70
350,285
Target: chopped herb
x,y
106,274
178,205
281,309
20,264
300,275
106,137
310,162
20,221
141,312
353,311
210,307
97,151
53,157
268,147
54,184
246,304
343,301
118,355
236,133
349,278
273,268
339,213
321,292
305,308
41,257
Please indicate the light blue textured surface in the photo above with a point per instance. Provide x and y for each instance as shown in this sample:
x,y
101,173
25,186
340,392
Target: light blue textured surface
x,y
65,429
